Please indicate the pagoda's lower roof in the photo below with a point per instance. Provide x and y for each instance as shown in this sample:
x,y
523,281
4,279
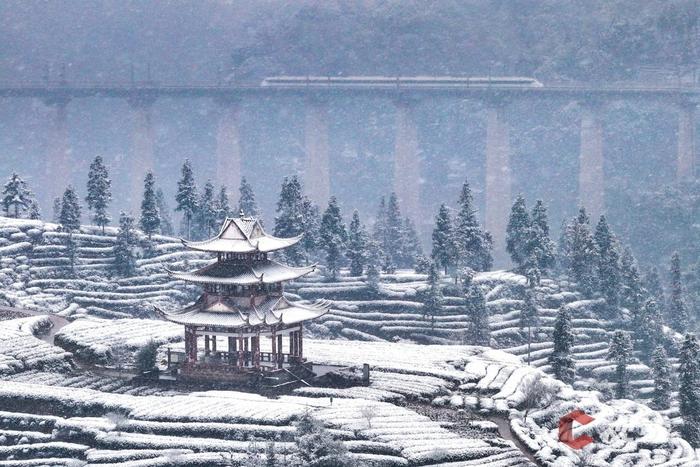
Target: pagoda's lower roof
x,y
215,310
230,273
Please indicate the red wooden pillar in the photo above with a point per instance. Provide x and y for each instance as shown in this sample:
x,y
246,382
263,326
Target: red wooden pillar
x,y
274,348
213,343
301,341
190,344
256,350
241,362
206,344
280,350
292,337
231,348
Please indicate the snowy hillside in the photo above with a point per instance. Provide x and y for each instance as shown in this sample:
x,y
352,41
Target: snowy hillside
x,y
54,411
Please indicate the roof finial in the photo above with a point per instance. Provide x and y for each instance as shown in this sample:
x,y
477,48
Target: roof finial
x,y
241,214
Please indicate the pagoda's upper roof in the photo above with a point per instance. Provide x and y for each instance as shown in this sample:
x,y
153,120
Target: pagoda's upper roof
x,y
229,273
215,310
242,235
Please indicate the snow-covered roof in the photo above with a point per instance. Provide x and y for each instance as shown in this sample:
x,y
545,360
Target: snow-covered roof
x,y
264,272
242,235
212,310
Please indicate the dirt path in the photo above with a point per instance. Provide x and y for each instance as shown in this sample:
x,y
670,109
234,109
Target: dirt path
x,y
505,432
57,322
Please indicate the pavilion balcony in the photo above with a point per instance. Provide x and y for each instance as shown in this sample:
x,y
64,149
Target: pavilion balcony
x,y
233,361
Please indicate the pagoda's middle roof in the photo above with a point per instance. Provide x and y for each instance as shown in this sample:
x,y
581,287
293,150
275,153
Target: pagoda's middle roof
x,y
230,273
242,235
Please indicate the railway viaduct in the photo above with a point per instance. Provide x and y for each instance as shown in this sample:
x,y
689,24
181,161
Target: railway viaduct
x,y
402,92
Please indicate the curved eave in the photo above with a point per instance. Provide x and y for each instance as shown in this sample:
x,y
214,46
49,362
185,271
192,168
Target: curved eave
x,y
264,244
256,277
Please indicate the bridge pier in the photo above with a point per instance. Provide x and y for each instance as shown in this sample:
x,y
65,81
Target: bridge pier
x,y
317,182
687,143
143,155
407,164
498,179
591,180
228,146
59,169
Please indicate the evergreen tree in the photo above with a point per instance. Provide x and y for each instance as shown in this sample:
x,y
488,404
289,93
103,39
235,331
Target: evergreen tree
x,y
289,221
541,248
99,192
677,309
150,217
479,332
432,298
394,227
648,329
124,258
166,221
70,221
661,370
608,263
311,227
444,250
582,253
146,357
652,284
316,447
411,247
246,200
379,231
529,318
565,246
186,196
206,211
632,293
561,359
374,258
689,389
333,236
473,245
16,196
56,210
518,233
357,245
222,206
34,212
619,352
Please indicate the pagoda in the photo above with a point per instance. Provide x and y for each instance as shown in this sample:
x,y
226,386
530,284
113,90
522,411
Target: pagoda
x,y
243,316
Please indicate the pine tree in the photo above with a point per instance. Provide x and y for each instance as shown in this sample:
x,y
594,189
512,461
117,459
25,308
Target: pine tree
x,y
561,359
648,328
479,332
632,293
246,200
661,370
677,309
529,318
374,258
619,352
357,245
311,226
186,196
540,247
411,245
16,196
444,250
432,298
56,210
379,230
689,389
333,236
150,217
652,284
472,243
34,212
565,246
70,221
222,206
518,233
166,221
608,263
582,253
99,192
393,240
124,259
289,221
206,211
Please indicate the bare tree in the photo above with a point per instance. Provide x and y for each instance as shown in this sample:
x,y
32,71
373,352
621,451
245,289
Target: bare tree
x,y
536,393
368,412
